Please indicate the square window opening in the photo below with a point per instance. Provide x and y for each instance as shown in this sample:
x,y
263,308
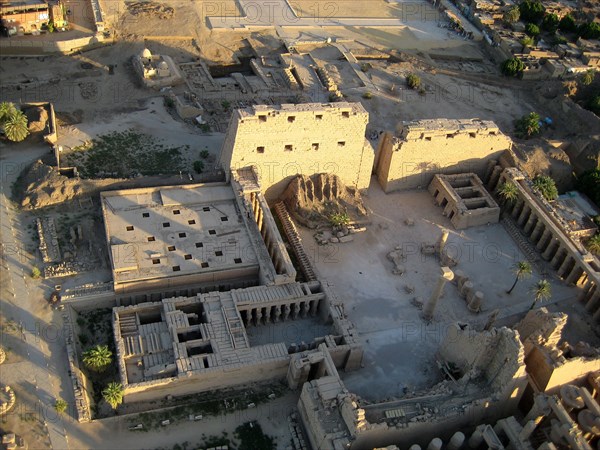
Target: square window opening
x,y
176,268
171,248
218,253
145,214
182,235
187,257
151,239
156,261
166,224
130,228
260,149
191,222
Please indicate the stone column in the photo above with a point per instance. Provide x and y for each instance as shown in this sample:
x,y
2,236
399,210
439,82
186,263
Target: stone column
x,y
276,313
574,275
531,222
258,316
303,309
294,310
527,430
442,242
477,437
435,444
552,246
537,231
475,302
523,216
456,441
286,312
547,234
314,305
466,289
519,205
557,259
445,276
565,265
594,300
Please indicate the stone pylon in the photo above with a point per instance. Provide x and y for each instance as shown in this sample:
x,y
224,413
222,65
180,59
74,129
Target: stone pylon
x,y
429,308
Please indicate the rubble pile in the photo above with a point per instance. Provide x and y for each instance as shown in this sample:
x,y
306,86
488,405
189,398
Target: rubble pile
x,y
313,200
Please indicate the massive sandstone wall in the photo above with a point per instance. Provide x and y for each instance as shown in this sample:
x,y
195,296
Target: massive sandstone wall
x,y
288,140
411,157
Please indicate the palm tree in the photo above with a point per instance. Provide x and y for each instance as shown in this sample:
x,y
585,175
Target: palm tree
x,y
508,191
113,394
593,244
522,269
98,358
15,126
60,405
542,291
7,109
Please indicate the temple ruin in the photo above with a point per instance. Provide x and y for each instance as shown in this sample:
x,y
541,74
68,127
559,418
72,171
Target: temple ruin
x,y
305,139
409,158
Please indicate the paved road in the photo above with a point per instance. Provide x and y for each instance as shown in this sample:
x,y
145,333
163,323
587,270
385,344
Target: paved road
x,y
41,342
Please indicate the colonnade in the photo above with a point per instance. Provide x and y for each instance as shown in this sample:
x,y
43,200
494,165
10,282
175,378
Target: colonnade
x,y
278,313
269,237
550,240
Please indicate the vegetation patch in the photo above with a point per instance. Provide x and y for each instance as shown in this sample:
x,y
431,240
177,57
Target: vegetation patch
x,y
124,154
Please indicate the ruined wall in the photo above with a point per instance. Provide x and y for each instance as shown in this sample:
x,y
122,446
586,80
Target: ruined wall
x,y
209,379
410,158
287,140
574,371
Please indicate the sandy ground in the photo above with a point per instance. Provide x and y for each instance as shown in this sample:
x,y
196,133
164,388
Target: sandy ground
x,y
399,345
152,119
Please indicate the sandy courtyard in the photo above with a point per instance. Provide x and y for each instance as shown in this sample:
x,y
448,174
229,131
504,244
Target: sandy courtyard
x,y
399,346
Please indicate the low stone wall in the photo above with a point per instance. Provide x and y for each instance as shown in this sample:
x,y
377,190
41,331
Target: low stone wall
x,y
32,47
82,405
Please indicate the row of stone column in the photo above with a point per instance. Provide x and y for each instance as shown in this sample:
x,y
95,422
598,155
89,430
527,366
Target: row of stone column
x,y
590,296
545,242
277,313
266,233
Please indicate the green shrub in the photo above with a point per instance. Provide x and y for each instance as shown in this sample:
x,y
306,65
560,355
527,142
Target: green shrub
x,y
512,15
532,29
550,22
546,186
589,183
413,81
528,125
512,67
169,102
567,24
35,273
532,11
589,30
198,166
367,95
204,154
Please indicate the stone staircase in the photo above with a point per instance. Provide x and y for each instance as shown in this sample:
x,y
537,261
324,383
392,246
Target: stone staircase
x,y
294,239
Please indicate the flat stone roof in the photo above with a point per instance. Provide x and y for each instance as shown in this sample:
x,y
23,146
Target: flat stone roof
x,y
170,231
355,108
